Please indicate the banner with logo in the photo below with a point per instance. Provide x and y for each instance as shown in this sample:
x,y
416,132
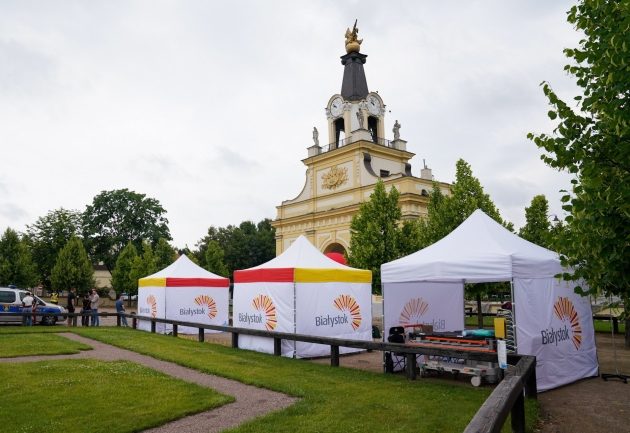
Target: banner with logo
x,y
207,305
333,309
413,303
151,302
266,306
556,325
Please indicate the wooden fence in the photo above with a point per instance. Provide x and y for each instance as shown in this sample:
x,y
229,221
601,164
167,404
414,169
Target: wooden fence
x,y
507,398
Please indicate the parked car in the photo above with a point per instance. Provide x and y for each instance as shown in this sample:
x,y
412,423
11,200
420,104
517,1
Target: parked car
x,y
11,302
125,297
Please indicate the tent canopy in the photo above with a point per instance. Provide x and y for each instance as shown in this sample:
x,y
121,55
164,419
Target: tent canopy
x,y
184,273
479,250
302,262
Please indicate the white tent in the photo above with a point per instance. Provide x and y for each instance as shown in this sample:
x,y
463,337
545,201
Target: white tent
x,y
552,322
303,291
186,292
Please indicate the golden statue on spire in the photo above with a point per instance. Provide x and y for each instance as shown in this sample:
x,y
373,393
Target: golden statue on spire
x,y
353,43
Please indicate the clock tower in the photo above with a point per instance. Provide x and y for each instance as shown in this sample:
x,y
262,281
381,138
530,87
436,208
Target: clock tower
x,y
341,174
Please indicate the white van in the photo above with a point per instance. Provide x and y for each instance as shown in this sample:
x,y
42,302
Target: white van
x,y
11,302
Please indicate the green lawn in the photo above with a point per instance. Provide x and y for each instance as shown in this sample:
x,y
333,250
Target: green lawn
x,y
332,399
93,396
12,345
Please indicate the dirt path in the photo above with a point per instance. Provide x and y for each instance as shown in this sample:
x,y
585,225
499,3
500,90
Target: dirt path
x,y
251,402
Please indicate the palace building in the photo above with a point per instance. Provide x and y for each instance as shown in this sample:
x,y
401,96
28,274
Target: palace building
x,y
341,174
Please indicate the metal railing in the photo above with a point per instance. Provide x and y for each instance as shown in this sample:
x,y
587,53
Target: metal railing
x,y
346,141
507,398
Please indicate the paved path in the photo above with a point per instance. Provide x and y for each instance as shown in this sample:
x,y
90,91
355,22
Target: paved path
x,y
251,402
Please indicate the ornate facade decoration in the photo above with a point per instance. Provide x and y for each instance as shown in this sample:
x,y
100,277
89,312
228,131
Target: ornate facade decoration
x,y
335,177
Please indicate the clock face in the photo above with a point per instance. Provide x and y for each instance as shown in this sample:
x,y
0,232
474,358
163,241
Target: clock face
x,y
336,107
374,105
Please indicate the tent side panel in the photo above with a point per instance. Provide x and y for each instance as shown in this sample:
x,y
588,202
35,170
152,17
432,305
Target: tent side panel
x,y
266,306
152,303
333,309
438,304
556,325
206,305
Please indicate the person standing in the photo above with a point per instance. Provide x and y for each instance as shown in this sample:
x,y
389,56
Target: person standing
x,y
120,309
94,301
27,307
85,310
72,297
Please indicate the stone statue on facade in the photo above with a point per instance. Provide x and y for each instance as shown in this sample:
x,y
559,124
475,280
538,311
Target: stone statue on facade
x,y
315,136
360,118
396,131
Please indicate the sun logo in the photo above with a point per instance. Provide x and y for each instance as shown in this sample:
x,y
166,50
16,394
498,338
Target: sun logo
x,y
264,304
412,312
564,310
208,302
349,304
153,304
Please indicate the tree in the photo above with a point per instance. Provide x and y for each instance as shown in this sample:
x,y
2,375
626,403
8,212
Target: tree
x,y
592,141
446,212
72,268
48,235
164,253
118,217
16,264
144,264
214,259
375,234
537,228
244,246
123,279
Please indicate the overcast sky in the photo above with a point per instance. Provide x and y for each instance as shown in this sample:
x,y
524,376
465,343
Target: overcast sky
x,y
209,106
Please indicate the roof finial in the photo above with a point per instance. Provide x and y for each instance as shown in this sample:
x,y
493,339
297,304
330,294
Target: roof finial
x,y
353,44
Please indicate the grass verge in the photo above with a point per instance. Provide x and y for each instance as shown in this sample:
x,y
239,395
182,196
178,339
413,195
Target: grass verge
x,y
332,399
12,345
95,396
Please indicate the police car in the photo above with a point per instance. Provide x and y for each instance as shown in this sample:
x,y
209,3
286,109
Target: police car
x,y
11,302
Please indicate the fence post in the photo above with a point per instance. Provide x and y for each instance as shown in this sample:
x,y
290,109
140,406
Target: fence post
x,y
174,329
277,346
202,335
411,366
334,356
531,388
518,414
134,322
235,340
153,326
615,321
74,320
118,320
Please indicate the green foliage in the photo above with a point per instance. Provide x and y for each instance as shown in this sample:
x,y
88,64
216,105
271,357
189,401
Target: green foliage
x,y
123,277
118,217
164,254
447,212
410,239
72,268
375,233
143,265
243,247
592,141
48,235
537,228
16,264
214,259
